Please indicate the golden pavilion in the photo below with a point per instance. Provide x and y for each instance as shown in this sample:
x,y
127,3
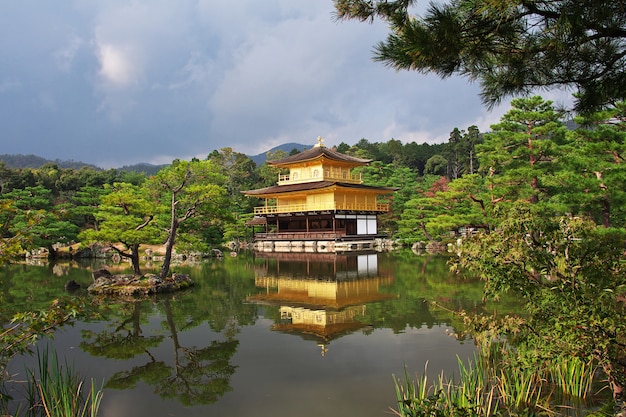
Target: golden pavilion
x,y
319,205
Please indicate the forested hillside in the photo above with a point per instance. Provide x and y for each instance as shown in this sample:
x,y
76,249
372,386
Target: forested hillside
x,y
33,161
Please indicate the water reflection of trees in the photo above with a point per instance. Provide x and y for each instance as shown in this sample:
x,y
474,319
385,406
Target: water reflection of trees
x,y
429,294
195,375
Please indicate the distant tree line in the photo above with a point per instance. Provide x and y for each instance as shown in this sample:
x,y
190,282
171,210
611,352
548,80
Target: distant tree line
x,y
51,204
33,161
443,189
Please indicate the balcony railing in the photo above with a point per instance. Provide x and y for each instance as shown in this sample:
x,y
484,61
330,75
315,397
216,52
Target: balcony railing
x,y
298,235
341,176
302,208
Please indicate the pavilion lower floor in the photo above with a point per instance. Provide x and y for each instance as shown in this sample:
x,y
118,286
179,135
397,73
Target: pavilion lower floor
x,y
318,232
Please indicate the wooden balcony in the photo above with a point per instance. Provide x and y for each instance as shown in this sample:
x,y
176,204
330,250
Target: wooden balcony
x,y
301,235
305,208
331,175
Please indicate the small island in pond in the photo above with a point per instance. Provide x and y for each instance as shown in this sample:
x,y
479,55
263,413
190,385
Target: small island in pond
x,y
104,283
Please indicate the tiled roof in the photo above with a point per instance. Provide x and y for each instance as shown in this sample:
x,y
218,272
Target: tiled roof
x,y
317,152
279,189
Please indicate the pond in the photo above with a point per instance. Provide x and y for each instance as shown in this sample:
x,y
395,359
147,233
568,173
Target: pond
x,y
296,334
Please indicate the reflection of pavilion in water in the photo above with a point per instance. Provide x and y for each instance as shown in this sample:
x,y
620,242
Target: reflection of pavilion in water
x,y
321,296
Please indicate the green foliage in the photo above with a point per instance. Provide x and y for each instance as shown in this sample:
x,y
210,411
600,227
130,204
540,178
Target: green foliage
x,y
237,231
470,396
34,214
419,209
27,327
242,174
390,175
521,155
445,207
460,152
436,165
186,190
571,275
12,241
126,215
510,47
83,204
411,155
595,172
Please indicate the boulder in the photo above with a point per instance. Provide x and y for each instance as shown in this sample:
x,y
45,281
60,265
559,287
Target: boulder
x,y
436,247
72,285
100,273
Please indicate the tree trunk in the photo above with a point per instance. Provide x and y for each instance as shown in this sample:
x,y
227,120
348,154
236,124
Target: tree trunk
x,y
133,255
52,253
134,258
616,387
428,236
169,246
618,397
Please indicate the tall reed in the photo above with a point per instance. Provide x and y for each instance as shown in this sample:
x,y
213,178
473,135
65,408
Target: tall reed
x,y
55,389
471,396
519,388
501,384
572,376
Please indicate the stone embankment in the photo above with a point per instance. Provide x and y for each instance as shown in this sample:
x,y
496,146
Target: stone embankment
x,y
102,251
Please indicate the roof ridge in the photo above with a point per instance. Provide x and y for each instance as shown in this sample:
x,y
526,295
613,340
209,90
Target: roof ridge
x,y
319,151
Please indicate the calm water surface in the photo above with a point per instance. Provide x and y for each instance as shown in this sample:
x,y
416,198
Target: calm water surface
x,y
299,335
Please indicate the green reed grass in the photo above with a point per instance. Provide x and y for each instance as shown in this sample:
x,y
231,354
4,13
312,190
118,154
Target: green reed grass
x,y
572,376
471,396
54,389
519,388
495,385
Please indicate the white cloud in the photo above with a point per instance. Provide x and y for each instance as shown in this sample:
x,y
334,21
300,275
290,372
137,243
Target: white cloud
x,y
116,65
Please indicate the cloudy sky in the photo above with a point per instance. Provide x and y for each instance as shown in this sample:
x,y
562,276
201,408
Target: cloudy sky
x,y
116,82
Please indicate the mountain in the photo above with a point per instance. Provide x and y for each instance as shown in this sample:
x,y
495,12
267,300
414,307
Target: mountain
x,y
145,168
18,161
34,161
285,147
